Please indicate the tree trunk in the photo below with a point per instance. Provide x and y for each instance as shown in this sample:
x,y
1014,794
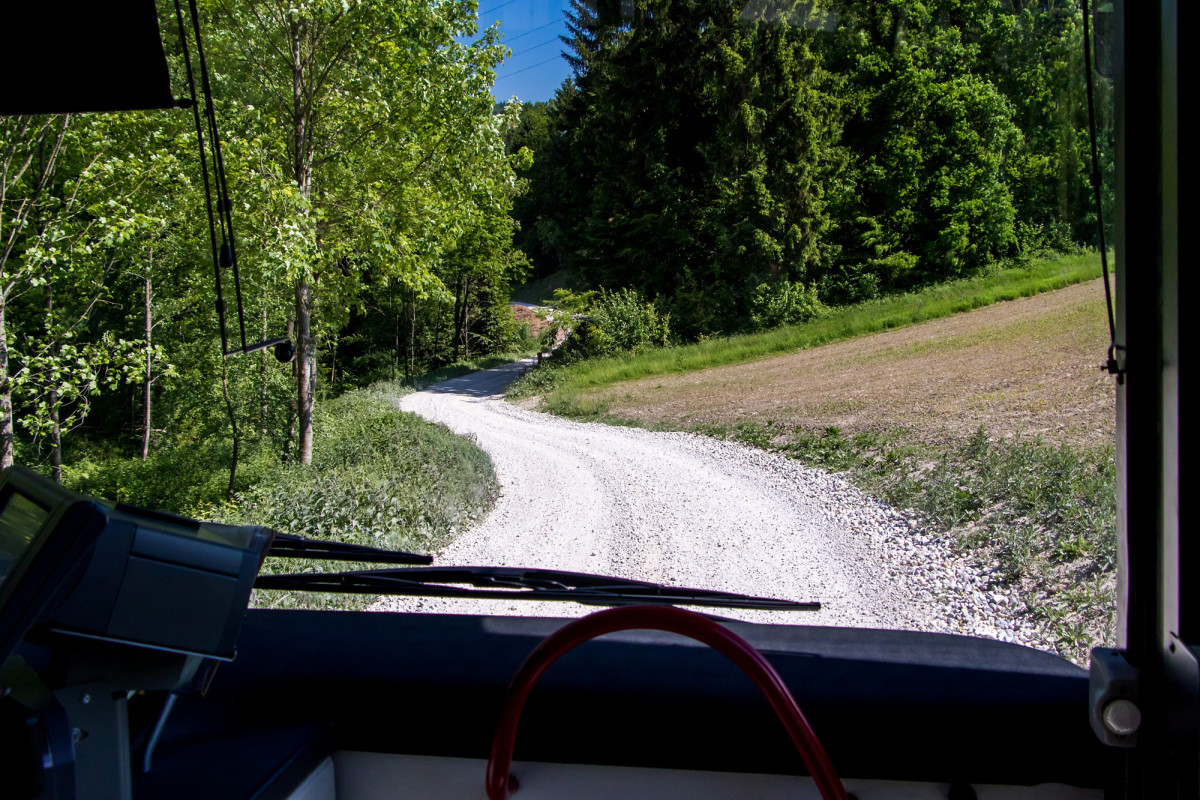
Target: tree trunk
x,y
290,443
264,371
237,439
466,320
6,421
55,430
333,365
395,333
55,439
410,363
305,353
458,307
149,290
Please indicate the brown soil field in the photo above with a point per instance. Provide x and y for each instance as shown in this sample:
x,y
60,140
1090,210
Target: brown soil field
x,y
1027,367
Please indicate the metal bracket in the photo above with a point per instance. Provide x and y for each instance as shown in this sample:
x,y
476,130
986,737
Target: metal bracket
x,y
1113,699
99,720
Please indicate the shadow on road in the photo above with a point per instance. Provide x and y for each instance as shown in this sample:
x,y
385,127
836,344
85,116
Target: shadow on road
x,y
485,383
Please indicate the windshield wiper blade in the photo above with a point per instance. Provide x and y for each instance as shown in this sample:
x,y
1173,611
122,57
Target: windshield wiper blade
x,y
515,583
286,545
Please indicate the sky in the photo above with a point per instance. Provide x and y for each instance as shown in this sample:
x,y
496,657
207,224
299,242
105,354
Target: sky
x,y
530,29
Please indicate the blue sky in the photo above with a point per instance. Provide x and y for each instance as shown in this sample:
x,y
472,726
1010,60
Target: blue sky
x,y
530,29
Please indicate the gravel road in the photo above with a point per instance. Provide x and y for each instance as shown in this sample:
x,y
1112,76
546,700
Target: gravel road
x,y
691,511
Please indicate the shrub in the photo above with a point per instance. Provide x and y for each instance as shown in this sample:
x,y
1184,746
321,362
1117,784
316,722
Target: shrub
x,y
182,479
783,303
620,322
379,476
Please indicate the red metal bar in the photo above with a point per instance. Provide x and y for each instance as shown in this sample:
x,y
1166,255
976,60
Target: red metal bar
x,y
672,620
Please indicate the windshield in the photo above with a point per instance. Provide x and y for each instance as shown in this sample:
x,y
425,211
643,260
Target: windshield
x,y
799,300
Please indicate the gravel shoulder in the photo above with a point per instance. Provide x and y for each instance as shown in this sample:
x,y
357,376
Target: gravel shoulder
x,y
693,511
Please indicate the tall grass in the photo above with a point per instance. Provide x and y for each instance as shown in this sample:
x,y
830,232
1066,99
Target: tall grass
x,y
380,477
873,316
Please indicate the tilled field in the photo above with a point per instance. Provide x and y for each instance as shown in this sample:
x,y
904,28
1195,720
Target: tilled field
x,y
1027,367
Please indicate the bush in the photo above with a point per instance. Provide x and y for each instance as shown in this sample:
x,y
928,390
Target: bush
x,y
184,479
524,340
379,476
783,303
619,322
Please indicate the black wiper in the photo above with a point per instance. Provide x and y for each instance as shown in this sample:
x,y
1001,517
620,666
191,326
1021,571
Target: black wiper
x,y
286,545
514,583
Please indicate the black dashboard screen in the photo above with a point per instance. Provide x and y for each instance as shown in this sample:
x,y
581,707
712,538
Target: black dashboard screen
x,y
20,521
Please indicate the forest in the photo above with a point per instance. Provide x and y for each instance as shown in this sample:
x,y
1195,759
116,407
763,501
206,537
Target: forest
x,y
722,156
721,166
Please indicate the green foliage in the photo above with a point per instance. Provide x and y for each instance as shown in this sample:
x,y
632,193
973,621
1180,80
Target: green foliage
x,y
785,303
548,338
704,149
620,322
186,480
689,157
567,301
385,189
379,476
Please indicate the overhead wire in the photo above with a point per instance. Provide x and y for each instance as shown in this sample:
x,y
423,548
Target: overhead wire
x,y
496,8
224,254
526,69
534,30
228,253
534,47
212,231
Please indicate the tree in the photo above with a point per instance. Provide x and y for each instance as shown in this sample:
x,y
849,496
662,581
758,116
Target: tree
x,y
29,151
71,194
385,124
701,141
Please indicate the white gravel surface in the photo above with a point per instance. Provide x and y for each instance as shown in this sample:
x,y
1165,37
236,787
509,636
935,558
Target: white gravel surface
x,y
692,511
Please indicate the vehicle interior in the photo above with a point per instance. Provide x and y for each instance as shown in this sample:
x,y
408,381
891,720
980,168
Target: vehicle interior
x,y
132,667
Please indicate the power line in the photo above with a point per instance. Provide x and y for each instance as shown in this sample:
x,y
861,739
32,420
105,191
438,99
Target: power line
x,y
526,69
534,30
496,8
535,47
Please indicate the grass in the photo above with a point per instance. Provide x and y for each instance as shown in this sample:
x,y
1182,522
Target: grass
x,y
562,386
379,477
1043,516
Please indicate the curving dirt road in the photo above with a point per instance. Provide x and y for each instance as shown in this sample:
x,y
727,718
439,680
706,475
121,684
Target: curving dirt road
x,y
666,507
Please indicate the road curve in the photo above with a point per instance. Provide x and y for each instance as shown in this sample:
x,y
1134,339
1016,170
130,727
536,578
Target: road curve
x,y
666,507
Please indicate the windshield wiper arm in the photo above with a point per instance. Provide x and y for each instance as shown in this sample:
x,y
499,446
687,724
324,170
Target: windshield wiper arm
x,y
514,583
286,545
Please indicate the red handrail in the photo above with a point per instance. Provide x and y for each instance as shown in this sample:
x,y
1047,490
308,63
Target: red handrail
x,y
672,620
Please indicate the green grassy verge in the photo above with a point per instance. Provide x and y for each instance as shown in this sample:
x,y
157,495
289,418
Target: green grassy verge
x,y
379,477
1044,515
560,386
